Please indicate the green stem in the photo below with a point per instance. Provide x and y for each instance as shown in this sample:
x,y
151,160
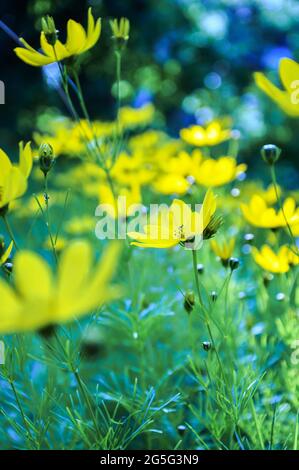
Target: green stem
x,y
29,435
9,230
48,218
274,181
207,322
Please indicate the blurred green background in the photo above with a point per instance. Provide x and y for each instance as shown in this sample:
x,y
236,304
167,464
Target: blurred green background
x,y
194,59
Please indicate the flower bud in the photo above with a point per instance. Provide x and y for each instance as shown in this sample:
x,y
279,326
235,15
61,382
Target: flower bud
x,y
181,429
233,263
200,268
8,267
270,153
189,301
213,296
267,278
46,158
280,296
93,345
206,345
49,30
120,31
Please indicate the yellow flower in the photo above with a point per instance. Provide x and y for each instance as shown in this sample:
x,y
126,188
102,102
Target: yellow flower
x,y
212,173
171,184
270,261
13,178
124,203
178,225
38,298
286,99
59,243
257,213
80,225
4,255
78,41
134,117
223,250
292,254
199,136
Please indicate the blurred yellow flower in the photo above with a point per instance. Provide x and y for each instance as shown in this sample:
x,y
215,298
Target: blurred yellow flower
x,y
38,299
80,225
200,136
78,41
171,184
257,213
136,117
223,250
270,261
212,173
178,225
13,178
124,203
286,99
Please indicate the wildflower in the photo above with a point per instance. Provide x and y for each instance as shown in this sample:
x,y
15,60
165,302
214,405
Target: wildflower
x,y
270,261
199,136
224,250
4,253
129,118
78,41
287,98
257,213
171,184
178,225
13,178
270,153
37,299
212,173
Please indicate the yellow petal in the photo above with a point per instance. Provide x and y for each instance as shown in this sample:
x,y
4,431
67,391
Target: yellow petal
x,y
32,276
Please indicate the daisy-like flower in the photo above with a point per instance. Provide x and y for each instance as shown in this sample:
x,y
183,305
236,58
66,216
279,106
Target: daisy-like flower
x,y
200,136
223,250
38,298
78,41
287,99
179,225
13,178
213,173
266,258
258,213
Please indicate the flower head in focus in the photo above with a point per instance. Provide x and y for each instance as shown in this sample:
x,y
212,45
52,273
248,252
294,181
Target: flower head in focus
x,y
179,225
286,99
13,178
78,41
38,299
200,136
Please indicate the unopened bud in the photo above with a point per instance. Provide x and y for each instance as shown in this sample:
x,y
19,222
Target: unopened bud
x,y
267,278
270,153
233,263
206,345
49,30
181,429
189,301
46,158
120,31
200,268
213,296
